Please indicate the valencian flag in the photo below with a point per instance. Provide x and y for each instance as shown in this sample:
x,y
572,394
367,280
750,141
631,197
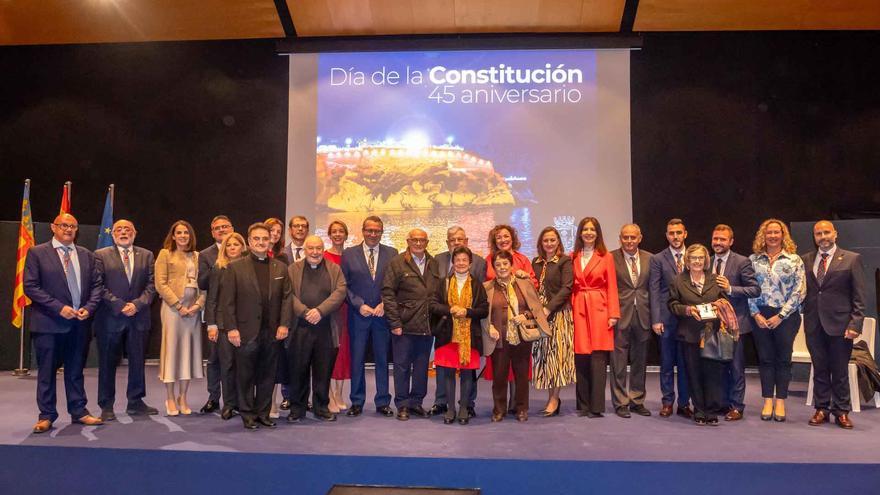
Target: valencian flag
x,y
65,199
25,242
104,234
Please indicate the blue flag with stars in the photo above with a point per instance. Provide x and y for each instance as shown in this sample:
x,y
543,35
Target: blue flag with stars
x,y
104,234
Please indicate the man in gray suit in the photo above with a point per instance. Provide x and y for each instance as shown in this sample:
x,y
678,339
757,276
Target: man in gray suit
x,y
455,237
834,310
633,330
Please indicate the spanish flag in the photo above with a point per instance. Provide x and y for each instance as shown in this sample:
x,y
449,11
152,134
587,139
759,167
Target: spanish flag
x,y
65,199
25,242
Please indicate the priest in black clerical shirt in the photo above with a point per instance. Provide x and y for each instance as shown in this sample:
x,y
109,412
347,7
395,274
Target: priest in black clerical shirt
x,y
255,298
318,291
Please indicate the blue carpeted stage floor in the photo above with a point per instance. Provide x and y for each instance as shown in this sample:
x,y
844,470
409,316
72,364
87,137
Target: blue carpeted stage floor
x,y
565,454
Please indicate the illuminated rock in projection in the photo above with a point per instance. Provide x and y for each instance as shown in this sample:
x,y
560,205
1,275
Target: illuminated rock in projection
x,y
374,178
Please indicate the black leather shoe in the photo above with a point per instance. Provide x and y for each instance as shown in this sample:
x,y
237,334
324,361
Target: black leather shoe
x,y
685,412
354,411
448,421
285,405
419,411
403,414
623,412
108,415
140,408
294,418
471,413
438,409
209,407
227,413
463,421
588,414
640,410
325,416
267,422
385,411
250,424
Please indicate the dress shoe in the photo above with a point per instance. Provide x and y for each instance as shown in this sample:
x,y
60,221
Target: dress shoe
x,y
639,409
402,414
623,412
209,407
700,421
419,411
140,408
227,413
438,409
843,421
267,422
685,412
108,415
42,426
354,411
818,418
183,407
384,411
250,424
171,408
471,412
88,420
713,421
666,411
463,421
274,414
733,415
325,416
550,414
294,418
285,405
780,418
522,416
448,421
497,417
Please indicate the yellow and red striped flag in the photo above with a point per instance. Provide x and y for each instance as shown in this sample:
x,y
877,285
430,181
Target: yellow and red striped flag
x,y
65,199
25,242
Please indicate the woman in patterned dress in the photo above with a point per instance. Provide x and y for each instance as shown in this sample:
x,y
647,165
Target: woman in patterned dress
x,y
553,357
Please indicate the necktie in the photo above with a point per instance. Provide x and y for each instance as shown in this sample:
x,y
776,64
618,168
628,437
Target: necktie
x,y
372,263
823,265
72,284
678,266
718,266
633,270
298,255
126,260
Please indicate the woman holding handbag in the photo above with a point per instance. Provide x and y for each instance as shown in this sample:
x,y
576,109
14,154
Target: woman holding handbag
x,y
515,317
691,294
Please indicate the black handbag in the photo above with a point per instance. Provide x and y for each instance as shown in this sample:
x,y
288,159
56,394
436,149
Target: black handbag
x,y
718,345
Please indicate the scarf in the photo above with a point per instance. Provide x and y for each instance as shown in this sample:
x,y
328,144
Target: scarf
x,y
727,315
461,327
512,302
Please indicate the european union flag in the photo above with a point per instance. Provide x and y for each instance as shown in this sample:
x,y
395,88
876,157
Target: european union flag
x,y
105,238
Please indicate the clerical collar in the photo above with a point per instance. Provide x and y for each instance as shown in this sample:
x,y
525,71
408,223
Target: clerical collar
x,y
314,265
264,259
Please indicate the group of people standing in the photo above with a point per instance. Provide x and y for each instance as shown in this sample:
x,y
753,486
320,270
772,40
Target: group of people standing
x,y
298,319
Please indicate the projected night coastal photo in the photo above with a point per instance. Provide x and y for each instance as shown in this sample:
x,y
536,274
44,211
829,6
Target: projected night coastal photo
x,y
432,140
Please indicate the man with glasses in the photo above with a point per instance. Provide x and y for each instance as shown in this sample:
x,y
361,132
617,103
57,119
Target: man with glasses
x,y
221,227
298,227
455,237
63,281
410,281
364,268
123,319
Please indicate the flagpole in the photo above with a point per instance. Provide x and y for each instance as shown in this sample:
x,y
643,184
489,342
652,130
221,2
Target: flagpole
x,y
21,371
69,186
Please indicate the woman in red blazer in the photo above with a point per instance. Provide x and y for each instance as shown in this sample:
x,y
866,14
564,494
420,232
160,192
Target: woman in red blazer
x,y
595,311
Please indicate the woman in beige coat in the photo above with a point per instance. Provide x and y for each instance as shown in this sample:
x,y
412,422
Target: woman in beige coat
x,y
177,284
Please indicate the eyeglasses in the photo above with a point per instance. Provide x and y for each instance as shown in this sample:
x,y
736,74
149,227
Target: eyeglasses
x,y
456,239
300,226
696,258
221,227
418,241
66,226
373,231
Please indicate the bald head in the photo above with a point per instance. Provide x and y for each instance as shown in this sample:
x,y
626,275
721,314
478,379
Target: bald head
x,y
64,228
123,233
314,247
630,237
825,235
417,242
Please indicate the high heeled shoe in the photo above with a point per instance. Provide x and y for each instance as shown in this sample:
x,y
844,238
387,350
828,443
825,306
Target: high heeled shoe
x,y
183,407
171,408
555,412
767,415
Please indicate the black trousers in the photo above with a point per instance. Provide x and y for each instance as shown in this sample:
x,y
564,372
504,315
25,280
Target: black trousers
x,y
630,347
591,374
503,359
310,353
62,349
774,353
110,346
226,359
411,356
705,382
467,384
256,362
212,370
830,355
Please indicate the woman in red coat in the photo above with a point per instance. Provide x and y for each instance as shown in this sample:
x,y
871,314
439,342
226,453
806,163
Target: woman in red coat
x,y
595,311
338,234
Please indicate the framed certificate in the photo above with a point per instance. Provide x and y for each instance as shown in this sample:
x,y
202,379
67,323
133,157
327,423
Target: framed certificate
x,y
707,311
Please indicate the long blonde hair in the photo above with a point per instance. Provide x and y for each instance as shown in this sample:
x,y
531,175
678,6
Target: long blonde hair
x,y
760,245
222,259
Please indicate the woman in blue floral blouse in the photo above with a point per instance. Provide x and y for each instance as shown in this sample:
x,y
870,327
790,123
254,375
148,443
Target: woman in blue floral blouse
x,y
780,272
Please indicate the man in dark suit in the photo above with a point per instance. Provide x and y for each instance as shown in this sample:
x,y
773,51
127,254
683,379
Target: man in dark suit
x,y
736,277
255,298
633,330
298,229
123,319
410,281
221,227
455,237
63,282
834,310
665,266
364,269
318,292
